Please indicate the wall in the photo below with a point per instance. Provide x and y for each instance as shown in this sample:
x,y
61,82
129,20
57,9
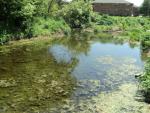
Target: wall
x,y
114,9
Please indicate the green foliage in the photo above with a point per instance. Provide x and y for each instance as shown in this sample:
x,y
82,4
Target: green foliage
x,y
77,14
145,81
16,13
4,38
27,18
105,20
133,27
145,9
47,26
146,41
18,18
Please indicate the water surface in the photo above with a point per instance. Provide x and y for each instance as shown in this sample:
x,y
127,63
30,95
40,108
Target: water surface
x,y
70,76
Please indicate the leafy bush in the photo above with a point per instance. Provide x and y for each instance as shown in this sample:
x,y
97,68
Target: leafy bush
x,y
47,26
105,20
16,14
145,81
146,41
4,38
77,14
133,27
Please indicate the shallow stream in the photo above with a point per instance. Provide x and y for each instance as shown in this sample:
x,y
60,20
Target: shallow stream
x,y
72,76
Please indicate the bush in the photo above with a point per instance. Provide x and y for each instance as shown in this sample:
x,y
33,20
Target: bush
x,y
16,14
146,41
105,20
4,38
47,26
145,81
77,14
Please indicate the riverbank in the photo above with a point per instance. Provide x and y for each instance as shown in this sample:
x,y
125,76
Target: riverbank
x,y
38,42
78,35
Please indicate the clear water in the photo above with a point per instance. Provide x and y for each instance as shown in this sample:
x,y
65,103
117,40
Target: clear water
x,y
71,76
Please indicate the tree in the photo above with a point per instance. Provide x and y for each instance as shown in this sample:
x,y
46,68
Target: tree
x,y
145,9
77,14
16,13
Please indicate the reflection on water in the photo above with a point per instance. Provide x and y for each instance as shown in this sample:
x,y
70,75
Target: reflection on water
x,y
71,76
61,54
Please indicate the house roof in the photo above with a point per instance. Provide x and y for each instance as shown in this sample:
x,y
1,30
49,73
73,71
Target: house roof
x,y
112,1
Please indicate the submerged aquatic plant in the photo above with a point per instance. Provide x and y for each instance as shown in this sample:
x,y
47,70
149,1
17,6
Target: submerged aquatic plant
x,y
30,80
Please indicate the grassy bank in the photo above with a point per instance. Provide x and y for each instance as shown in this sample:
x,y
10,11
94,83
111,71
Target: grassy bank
x,y
26,19
145,78
49,17
36,42
133,28
41,27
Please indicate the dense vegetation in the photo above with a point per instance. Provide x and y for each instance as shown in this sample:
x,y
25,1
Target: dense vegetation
x,y
30,18
145,9
19,17
133,28
77,14
145,81
145,78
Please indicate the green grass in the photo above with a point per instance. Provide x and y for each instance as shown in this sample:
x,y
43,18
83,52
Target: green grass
x,y
47,26
40,27
132,27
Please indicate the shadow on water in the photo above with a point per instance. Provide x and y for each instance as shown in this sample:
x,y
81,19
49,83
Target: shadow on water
x,y
79,74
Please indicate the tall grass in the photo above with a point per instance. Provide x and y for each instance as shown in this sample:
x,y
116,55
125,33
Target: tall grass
x,y
47,26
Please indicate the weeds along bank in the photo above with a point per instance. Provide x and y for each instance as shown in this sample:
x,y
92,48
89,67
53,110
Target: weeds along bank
x,y
145,78
132,27
41,27
30,18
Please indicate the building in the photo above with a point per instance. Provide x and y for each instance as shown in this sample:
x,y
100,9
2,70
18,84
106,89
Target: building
x,y
114,7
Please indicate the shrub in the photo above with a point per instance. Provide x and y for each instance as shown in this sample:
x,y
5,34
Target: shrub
x,y
47,26
77,14
105,20
145,81
145,41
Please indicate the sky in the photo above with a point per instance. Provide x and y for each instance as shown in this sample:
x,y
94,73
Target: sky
x,y
136,2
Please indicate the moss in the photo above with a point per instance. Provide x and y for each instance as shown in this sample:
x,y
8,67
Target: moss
x,y
123,100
